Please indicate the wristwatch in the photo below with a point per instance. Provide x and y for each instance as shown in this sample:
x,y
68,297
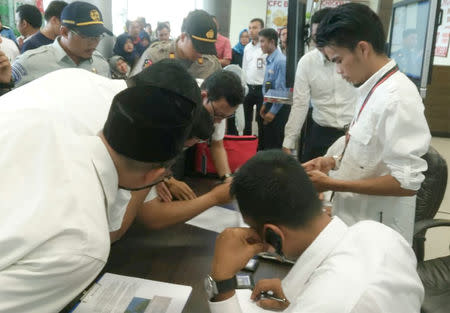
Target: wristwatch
x,y
213,288
222,178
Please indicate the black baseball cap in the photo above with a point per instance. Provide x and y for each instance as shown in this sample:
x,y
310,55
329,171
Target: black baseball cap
x,y
84,18
200,26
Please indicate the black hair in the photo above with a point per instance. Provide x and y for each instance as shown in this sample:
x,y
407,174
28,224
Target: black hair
x,y
31,14
224,84
319,15
408,32
161,26
202,124
54,9
257,19
348,24
270,34
272,187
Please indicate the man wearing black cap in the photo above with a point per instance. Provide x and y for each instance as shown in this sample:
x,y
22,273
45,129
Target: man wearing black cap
x,y
198,37
81,30
55,240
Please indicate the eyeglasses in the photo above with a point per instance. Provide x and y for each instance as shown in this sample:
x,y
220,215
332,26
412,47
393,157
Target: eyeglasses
x,y
218,115
90,38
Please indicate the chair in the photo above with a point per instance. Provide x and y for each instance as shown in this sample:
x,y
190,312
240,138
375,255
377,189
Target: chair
x,y
435,273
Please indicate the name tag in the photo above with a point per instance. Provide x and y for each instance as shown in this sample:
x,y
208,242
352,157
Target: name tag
x,y
259,63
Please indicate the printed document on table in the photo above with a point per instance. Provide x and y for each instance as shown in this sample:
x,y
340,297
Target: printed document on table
x,y
123,294
216,219
248,305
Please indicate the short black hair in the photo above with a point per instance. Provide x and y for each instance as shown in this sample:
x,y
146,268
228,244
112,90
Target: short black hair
x,y
319,15
54,9
202,124
270,34
224,84
31,14
161,26
272,187
348,24
257,19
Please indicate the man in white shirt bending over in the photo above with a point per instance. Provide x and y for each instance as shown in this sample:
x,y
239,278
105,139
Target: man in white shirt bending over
x,y
365,268
333,101
254,66
375,170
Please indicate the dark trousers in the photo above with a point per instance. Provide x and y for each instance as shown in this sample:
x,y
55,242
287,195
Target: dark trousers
x,y
231,127
272,134
319,140
253,97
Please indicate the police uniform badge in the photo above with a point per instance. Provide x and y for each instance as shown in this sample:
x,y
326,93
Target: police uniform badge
x,y
95,16
171,55
200,60
147,63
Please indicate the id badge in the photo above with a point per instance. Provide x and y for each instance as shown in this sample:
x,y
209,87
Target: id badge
x,y
259,63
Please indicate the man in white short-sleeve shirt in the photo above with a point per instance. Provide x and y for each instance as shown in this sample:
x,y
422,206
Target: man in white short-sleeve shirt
x,y
376,170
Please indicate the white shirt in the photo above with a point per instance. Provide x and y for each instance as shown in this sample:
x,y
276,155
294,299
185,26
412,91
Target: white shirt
x,y
389,138
219,130
333,99
10,49
365,268
254,64
56,190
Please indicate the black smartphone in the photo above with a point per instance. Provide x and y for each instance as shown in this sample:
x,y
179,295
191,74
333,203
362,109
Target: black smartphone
x,y
245,281
274,240
252,264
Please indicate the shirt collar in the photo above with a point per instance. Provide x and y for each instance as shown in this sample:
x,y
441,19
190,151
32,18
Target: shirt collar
x,y
367,86
270,58
60,53
105,169
313,256
322,56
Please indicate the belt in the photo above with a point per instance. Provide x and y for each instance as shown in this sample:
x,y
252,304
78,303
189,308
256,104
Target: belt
x,y
254,86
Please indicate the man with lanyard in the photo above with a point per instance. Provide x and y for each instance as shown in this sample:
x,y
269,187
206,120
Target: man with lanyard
x,y
198,37
376,169
253,65
81,31
274,115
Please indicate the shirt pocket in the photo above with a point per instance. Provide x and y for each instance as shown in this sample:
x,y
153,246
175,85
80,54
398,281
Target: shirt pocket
x,y
363,142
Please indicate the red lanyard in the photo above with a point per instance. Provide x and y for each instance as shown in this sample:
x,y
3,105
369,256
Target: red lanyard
x,y
379,82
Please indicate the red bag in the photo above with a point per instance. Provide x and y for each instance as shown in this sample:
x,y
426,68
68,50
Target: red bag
x,y
239,150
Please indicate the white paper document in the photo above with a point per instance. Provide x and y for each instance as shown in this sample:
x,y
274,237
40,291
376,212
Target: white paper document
x,y
216,219
123,294
248,305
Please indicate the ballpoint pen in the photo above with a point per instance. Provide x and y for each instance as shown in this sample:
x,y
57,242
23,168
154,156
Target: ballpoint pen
x,y
269,295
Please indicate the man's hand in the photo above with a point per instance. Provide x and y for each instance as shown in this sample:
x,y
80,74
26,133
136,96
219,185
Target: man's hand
x,y
5,68
180,190
320,180
262,111
287,151
323,164
273,285
268,118
163,192
221,194
234,248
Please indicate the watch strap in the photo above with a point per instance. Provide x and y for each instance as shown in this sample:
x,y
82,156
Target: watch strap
x,y
226,285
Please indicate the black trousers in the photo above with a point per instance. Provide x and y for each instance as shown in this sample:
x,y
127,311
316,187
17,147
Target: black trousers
x,y
254,96
272,134
319,140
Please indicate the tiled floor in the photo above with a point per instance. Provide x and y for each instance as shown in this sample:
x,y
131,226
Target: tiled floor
x,y
438,239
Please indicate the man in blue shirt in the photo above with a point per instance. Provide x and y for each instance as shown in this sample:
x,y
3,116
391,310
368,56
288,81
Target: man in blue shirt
x,y
274,115
51,29
7,32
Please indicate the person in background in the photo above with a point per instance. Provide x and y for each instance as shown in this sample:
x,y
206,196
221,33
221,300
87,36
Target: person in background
x,y
145,41
376,169
125,48
332,98
7,32
119,67
254,65
163,31
283,39
28,22
149,31
51,29
223,47
363,268
238,50
9,47
81,31
133,29
274,114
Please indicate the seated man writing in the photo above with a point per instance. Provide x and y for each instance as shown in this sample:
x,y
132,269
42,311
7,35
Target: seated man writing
x,y
364,268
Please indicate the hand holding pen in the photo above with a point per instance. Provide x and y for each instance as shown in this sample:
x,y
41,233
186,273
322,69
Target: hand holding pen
x,y
269,294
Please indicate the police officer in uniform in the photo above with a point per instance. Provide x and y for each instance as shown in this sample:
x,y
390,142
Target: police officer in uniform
x,y
81,31
195,47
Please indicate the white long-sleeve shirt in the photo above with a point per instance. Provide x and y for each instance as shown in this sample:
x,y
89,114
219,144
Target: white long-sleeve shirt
x,y
365,268
254,64
389,138
333,99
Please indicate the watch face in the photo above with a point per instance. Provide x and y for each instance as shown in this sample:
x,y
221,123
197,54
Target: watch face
x,y
209,287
